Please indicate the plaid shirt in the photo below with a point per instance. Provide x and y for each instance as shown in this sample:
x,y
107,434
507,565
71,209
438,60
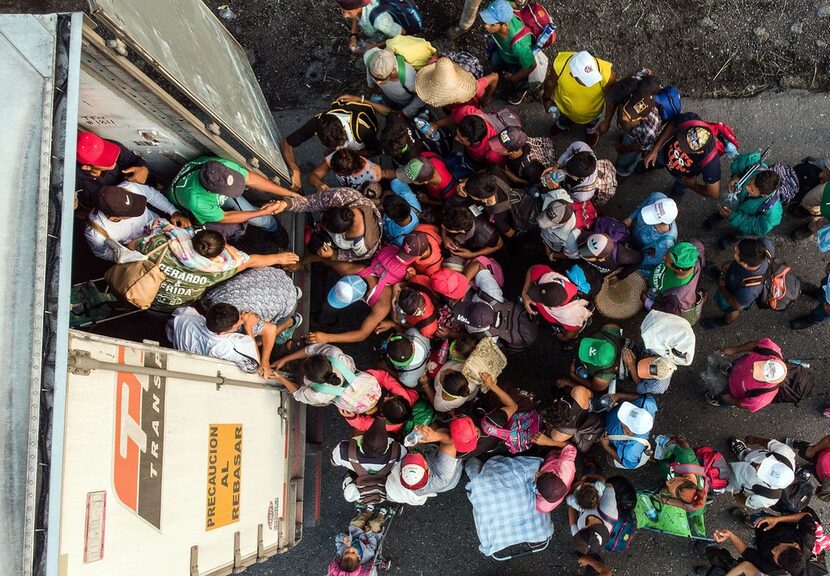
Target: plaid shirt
x,y
646,132
503,494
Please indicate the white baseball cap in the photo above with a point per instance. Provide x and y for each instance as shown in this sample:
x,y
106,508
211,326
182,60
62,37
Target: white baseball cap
x,y
638,420
664,211
772,371
775,473
585,68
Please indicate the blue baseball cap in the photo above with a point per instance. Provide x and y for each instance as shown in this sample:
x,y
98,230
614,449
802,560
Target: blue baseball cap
x,y
498,11
347,291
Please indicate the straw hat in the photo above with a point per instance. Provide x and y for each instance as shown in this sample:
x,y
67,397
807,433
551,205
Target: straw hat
x,y
621,300
443,83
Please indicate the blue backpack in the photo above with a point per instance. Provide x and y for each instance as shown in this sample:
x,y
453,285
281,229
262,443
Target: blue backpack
x,y
403,12
669,101
622,531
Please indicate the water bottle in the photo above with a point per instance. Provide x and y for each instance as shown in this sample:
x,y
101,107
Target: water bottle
x,y
554,113
558,176
731,150
648,507
798,362
612,387
651,296
225,12
425,128
547,32
602,404
412,438
444,352
376,98
582,371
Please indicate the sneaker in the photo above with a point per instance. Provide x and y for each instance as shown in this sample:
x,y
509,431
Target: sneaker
x,y
555,131
376,523
712,399
801,323
517,97
738,447
299,293
812,291
361,519
591,138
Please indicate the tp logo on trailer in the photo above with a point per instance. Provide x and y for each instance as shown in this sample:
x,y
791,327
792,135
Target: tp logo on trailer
x,y
139,438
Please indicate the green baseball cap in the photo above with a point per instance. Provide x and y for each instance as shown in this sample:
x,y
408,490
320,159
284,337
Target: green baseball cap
x,y
597,352
414,171
684,255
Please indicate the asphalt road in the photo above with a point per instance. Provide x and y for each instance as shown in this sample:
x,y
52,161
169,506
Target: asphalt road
x,y
440,538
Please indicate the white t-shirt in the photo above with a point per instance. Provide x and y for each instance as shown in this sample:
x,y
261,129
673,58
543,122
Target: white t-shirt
x,y
441,404
128,229
444,475
188,332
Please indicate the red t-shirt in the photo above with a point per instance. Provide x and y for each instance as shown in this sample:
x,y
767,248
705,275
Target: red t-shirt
x,y
441,191
536,273
741,380
481,86
481,152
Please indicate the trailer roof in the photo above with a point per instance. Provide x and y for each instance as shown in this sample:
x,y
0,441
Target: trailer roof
x,y
191,48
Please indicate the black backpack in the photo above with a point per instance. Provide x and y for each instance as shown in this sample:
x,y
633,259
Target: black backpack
x,y
780,288
513,326
796,497
523,207
403,12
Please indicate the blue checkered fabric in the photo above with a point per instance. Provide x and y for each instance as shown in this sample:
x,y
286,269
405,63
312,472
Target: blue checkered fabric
x,y
503,494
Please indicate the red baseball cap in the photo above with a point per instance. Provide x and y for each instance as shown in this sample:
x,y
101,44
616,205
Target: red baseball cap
x,y
464,434
450,283
92,150
414,471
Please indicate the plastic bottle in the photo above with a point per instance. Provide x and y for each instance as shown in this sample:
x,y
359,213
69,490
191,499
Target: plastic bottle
x,y
648,507
558,176
444,352
554,113
798,362
582,371
651,296
376,98
225,12
731,149
547,32
425,128
412,438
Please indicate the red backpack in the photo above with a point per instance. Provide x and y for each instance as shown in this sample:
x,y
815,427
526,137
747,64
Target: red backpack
x,y
715,468
535,17
723,133
586,214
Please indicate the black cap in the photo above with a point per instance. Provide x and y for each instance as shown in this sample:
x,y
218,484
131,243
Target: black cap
x,y
217,178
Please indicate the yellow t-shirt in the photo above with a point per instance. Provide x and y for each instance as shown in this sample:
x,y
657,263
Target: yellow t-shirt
x,y
577,102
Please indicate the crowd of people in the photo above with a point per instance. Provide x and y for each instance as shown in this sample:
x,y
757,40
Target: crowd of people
x,y
423,196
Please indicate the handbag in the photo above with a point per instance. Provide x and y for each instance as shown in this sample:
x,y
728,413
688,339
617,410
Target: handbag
x,y
136,282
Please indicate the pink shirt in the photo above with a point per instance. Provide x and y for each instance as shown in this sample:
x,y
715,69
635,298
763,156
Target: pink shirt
x,y
741,380
560,463
823,465
481,152
536,273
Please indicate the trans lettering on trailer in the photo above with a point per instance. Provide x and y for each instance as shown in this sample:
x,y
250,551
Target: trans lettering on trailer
x,y
139,438
224,475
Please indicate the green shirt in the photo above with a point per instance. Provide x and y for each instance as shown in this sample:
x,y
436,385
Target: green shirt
x,y
182,285
519,54
664,278
186,191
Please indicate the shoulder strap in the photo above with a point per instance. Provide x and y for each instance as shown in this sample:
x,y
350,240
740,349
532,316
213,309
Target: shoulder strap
x,y
565,65
755,392
625,437
402,72
768,352
771,493
524,31
97,228
342,368
352,454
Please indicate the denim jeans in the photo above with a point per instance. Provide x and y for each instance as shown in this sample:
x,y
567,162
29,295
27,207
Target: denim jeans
x,y
627,161
267,223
